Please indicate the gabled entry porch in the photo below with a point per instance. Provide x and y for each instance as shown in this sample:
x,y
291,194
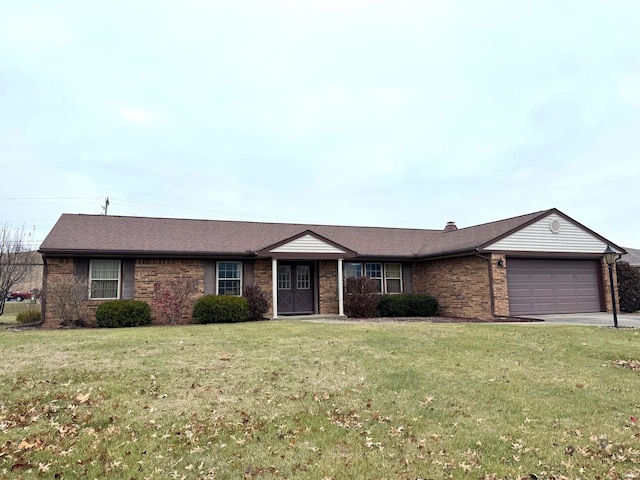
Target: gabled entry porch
x,y
306,275
297,288
301,287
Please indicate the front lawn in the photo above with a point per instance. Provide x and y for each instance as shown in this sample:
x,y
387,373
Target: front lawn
x,y
12,309
290,399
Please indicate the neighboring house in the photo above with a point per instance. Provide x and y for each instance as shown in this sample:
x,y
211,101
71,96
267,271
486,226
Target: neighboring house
x,y
632,257
543,262
33,260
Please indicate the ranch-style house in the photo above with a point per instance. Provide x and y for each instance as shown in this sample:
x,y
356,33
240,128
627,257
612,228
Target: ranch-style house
x,y
542,262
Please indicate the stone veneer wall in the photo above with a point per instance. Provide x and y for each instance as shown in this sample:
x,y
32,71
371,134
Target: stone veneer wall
x,y
165,271
461,286
328,287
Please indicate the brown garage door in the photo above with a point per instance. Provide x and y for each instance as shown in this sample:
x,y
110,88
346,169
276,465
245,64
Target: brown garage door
x,y
538,286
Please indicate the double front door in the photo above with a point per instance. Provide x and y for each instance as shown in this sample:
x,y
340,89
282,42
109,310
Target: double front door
x,y
296,288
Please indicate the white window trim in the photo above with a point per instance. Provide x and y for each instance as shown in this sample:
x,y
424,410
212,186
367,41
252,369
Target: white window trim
x,y
218,279
91,280
384,277
393,278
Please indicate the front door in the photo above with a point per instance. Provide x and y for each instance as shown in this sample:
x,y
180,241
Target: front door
x,y
295,288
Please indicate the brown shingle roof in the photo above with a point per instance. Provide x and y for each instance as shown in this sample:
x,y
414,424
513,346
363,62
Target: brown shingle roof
x,y
632,257
91,234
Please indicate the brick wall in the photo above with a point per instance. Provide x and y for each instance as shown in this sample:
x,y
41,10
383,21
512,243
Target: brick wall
x,y
328,287
147,273
461,286
500,286
166,271
57,268
262,278
607,287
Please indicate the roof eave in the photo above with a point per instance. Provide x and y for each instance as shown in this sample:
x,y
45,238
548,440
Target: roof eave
x,y
142,254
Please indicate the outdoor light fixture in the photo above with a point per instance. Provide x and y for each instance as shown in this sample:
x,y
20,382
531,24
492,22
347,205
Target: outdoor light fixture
x,y
610,257
501,263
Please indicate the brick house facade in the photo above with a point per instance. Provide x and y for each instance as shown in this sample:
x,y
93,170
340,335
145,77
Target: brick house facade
x,y
513,267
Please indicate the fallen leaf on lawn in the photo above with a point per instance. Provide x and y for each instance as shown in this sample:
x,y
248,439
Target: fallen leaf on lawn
x,y
83,398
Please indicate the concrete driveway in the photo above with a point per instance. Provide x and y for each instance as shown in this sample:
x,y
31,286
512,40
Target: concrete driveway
x,y
602,319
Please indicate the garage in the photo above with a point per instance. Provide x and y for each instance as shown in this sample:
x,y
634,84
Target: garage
x,y
540,286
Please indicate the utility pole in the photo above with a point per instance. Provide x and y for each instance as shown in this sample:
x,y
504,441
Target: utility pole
x,y
106,206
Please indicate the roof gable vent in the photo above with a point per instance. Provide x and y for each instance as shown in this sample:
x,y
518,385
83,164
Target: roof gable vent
x,y
450,227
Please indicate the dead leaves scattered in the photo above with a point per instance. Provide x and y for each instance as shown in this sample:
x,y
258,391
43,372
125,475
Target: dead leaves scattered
x,y
630,364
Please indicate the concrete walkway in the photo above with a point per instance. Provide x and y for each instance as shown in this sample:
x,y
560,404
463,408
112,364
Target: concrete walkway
x,y
625,320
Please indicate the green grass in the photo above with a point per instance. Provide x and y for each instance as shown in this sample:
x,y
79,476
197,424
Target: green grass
x,y
287,399
12,309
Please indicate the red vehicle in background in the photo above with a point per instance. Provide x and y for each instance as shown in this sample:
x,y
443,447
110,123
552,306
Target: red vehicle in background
x,y
20,296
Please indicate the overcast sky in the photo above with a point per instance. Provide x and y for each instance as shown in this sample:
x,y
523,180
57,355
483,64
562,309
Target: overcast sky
x,y
405,113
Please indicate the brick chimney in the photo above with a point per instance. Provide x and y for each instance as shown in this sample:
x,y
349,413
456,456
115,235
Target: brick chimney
x,y
450,227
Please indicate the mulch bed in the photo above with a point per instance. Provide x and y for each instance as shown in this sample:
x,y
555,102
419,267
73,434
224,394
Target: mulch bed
x,y
438,320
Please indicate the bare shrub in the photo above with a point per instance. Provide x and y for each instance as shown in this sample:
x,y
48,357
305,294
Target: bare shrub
x,y
258,302
66,297
171,298
361,297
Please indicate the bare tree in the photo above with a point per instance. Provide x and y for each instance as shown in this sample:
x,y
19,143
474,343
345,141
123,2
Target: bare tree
x,y
15,265
66,297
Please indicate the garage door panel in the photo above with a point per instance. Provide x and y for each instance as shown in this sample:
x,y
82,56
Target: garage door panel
x,y
542,293
564,278
541,308
538,286
586,292
538,278
566,292
587,279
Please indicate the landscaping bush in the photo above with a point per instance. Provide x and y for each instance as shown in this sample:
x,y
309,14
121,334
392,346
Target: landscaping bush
x,y
628,287
361,297
29,316
407,305
123,313
257,301
220,309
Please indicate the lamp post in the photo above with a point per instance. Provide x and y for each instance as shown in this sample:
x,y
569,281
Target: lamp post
x,y
610,257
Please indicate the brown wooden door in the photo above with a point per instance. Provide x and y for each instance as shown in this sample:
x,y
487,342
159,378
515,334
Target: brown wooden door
x,y
295,288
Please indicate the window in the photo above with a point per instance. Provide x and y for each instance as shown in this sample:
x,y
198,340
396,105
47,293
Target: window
x,y
230,278
374,270
303,277
104,278
352,270
392,278
388,276
284,277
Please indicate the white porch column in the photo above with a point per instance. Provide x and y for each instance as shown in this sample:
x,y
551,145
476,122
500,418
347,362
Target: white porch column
x,y
274,286
340,289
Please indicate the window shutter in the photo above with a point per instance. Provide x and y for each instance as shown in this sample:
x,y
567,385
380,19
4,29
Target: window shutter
x,y
81,268
209,277
128,279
